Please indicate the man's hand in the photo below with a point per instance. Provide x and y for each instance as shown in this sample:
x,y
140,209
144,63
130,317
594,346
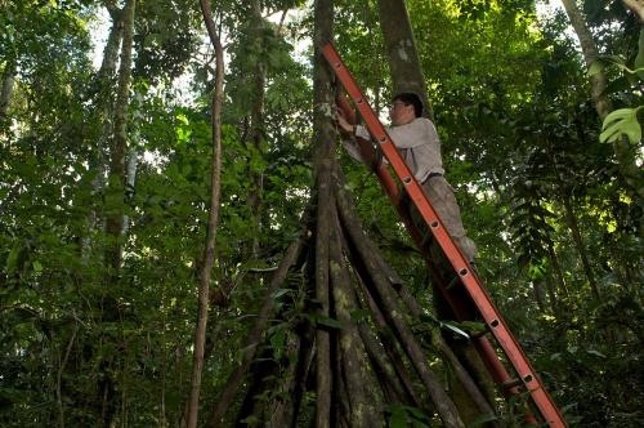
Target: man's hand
x,y
343,123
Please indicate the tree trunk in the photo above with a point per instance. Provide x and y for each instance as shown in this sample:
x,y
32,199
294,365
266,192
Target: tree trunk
x,y
115,207
590,53
104,116
637,7
555,282
628,168
350,351
404,63
323,162
6,90
227,396
130,183
116,191
257,130
343,384
208,257
539,294
382,290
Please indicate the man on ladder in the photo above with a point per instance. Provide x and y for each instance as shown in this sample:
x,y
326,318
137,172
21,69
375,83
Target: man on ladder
x,y
416,137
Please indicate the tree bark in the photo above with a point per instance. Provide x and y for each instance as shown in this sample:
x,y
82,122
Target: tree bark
x,y
590,54
558,274
130,183
637,7
474,395
393,352
208,257
404,62
323,339
59,378
6,90
323,162
391,386
282,410
350,348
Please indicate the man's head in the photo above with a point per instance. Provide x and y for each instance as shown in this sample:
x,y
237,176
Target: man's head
x,y
405,107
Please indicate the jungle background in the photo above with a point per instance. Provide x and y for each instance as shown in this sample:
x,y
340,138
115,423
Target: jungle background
x,y
106,190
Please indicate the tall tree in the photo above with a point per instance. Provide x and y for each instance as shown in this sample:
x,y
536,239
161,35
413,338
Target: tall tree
x,y
115,205
208,257
118,149
257,126
8,75
346,275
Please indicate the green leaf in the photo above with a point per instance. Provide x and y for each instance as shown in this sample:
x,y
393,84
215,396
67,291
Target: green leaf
x,y
595,68
329,322
398,417
281,292
455,329
12,259
37,266
621,122
416,413
596,353
278,342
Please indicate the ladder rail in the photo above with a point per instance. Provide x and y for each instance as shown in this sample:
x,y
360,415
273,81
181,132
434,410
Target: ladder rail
x,y
490,314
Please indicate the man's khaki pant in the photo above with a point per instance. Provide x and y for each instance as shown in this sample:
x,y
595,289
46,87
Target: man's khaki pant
x,y
441,196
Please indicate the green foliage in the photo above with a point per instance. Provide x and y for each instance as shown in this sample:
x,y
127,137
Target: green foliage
x,y
166,38
406,416
622,122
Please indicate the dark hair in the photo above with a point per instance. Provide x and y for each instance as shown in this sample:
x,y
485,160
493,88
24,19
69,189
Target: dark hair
x,y
413,99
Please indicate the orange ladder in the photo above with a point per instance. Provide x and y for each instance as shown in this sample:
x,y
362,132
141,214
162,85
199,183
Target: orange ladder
x,y
469,302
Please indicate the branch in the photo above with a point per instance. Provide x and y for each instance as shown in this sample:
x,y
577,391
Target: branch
x,y
213,220
637,7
